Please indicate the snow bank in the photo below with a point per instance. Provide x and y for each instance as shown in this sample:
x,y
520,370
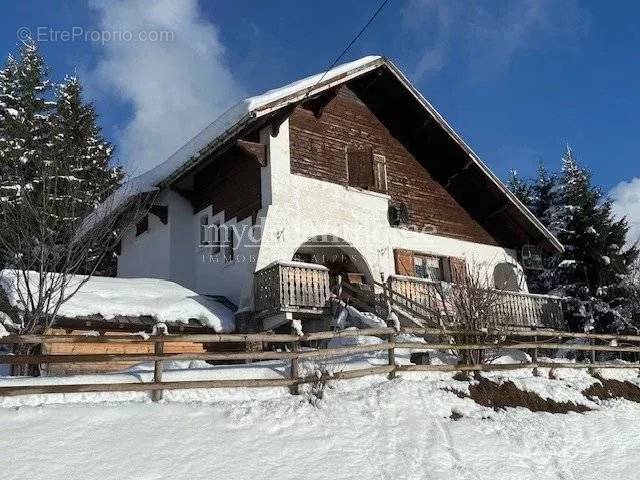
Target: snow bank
x,y
361,429
110,297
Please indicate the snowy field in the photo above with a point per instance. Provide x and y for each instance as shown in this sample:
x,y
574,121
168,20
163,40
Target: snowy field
x,y
362,429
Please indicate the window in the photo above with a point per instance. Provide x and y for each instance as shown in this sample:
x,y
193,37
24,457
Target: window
x,y
229,244
215,240
432,267
428,266
380,172
142,226
204,230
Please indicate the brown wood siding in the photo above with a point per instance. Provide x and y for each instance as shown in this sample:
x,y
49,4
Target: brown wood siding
x,y
318,150
100,348
231,183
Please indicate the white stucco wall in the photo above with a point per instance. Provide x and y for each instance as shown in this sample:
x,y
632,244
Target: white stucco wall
x,y
295,209
147,255
304,208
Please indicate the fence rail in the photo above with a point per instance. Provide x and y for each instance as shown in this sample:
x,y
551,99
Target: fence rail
x,y
455,340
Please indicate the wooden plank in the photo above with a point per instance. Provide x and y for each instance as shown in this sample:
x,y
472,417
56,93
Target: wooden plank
x,y
194,338
142,387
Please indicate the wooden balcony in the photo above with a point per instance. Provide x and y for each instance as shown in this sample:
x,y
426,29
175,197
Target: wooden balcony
x,y
291,287
509,308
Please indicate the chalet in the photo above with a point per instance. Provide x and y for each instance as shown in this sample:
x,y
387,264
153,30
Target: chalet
x,y
347,176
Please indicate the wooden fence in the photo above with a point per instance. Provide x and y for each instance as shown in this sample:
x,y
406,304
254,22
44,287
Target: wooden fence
x,y
437,339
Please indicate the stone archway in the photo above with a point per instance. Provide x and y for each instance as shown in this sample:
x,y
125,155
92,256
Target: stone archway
x,y
338,255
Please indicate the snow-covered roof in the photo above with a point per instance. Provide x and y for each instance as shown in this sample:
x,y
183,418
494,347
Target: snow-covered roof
x,y
132,297
229,123
249,109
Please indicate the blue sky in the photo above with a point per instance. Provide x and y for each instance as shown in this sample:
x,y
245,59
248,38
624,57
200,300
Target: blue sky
x,y
518,79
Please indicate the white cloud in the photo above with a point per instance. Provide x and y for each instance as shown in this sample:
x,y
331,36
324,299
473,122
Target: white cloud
x,y
626,203
175,87
488,34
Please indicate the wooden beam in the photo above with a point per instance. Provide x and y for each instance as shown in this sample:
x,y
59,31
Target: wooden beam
x,y
160,211
254,149
280,117
320,102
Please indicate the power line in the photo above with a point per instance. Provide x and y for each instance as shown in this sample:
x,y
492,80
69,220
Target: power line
x,y
354,40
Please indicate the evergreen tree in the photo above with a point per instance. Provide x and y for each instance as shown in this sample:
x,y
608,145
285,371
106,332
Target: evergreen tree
x,y
593,238
50,145
25,121
520,188
81,150
544,195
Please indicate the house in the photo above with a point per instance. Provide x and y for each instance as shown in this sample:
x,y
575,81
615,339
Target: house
x,y
350,174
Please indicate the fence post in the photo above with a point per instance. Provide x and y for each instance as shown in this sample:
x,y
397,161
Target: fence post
x,y
295,365
392,355
158,349
593,351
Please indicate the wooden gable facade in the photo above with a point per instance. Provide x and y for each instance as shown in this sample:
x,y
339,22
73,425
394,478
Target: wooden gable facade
x,y
322,146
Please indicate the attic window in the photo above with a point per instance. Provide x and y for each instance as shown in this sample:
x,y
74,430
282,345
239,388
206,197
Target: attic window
x,y
142,226
366,169
204,230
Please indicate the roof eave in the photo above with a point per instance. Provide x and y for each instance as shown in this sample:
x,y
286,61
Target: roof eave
x,y
474,157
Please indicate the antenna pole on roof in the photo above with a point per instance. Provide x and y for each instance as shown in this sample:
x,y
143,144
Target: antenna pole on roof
x,y
354,40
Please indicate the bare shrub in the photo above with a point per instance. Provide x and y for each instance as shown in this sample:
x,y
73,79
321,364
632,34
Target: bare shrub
x,y
472,307
50,251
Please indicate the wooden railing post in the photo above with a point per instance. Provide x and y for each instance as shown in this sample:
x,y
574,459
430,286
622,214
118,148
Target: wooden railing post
x,y
535,355
158,349
295,365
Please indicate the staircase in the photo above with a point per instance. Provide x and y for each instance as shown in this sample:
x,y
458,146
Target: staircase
x,y
409,313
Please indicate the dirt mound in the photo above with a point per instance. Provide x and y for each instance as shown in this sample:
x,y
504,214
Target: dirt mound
x,y
608,389
502,395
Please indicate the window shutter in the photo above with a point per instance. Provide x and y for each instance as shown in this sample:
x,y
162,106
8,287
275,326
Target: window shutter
x,y
404,262
360,167
380,170
458,269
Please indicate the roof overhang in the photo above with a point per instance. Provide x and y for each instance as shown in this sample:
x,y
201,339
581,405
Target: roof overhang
x,y
257,110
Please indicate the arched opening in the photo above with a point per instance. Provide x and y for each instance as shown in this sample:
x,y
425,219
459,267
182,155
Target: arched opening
x,y
340,257
505,277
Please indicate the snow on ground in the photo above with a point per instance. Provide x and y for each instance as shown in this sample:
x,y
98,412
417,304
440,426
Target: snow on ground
x,y
366,428
165,301
362,429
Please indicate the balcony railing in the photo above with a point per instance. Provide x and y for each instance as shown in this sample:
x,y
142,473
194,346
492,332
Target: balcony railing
x,y
291,287
508,308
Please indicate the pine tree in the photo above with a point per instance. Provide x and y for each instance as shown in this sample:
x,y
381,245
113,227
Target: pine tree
x,y
81,150
544,194
51,147
593,238
520,188
25,121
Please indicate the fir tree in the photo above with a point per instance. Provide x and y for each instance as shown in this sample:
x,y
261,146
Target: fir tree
x,y
593,238
50,145
25,121
544,195
520,188
82,152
